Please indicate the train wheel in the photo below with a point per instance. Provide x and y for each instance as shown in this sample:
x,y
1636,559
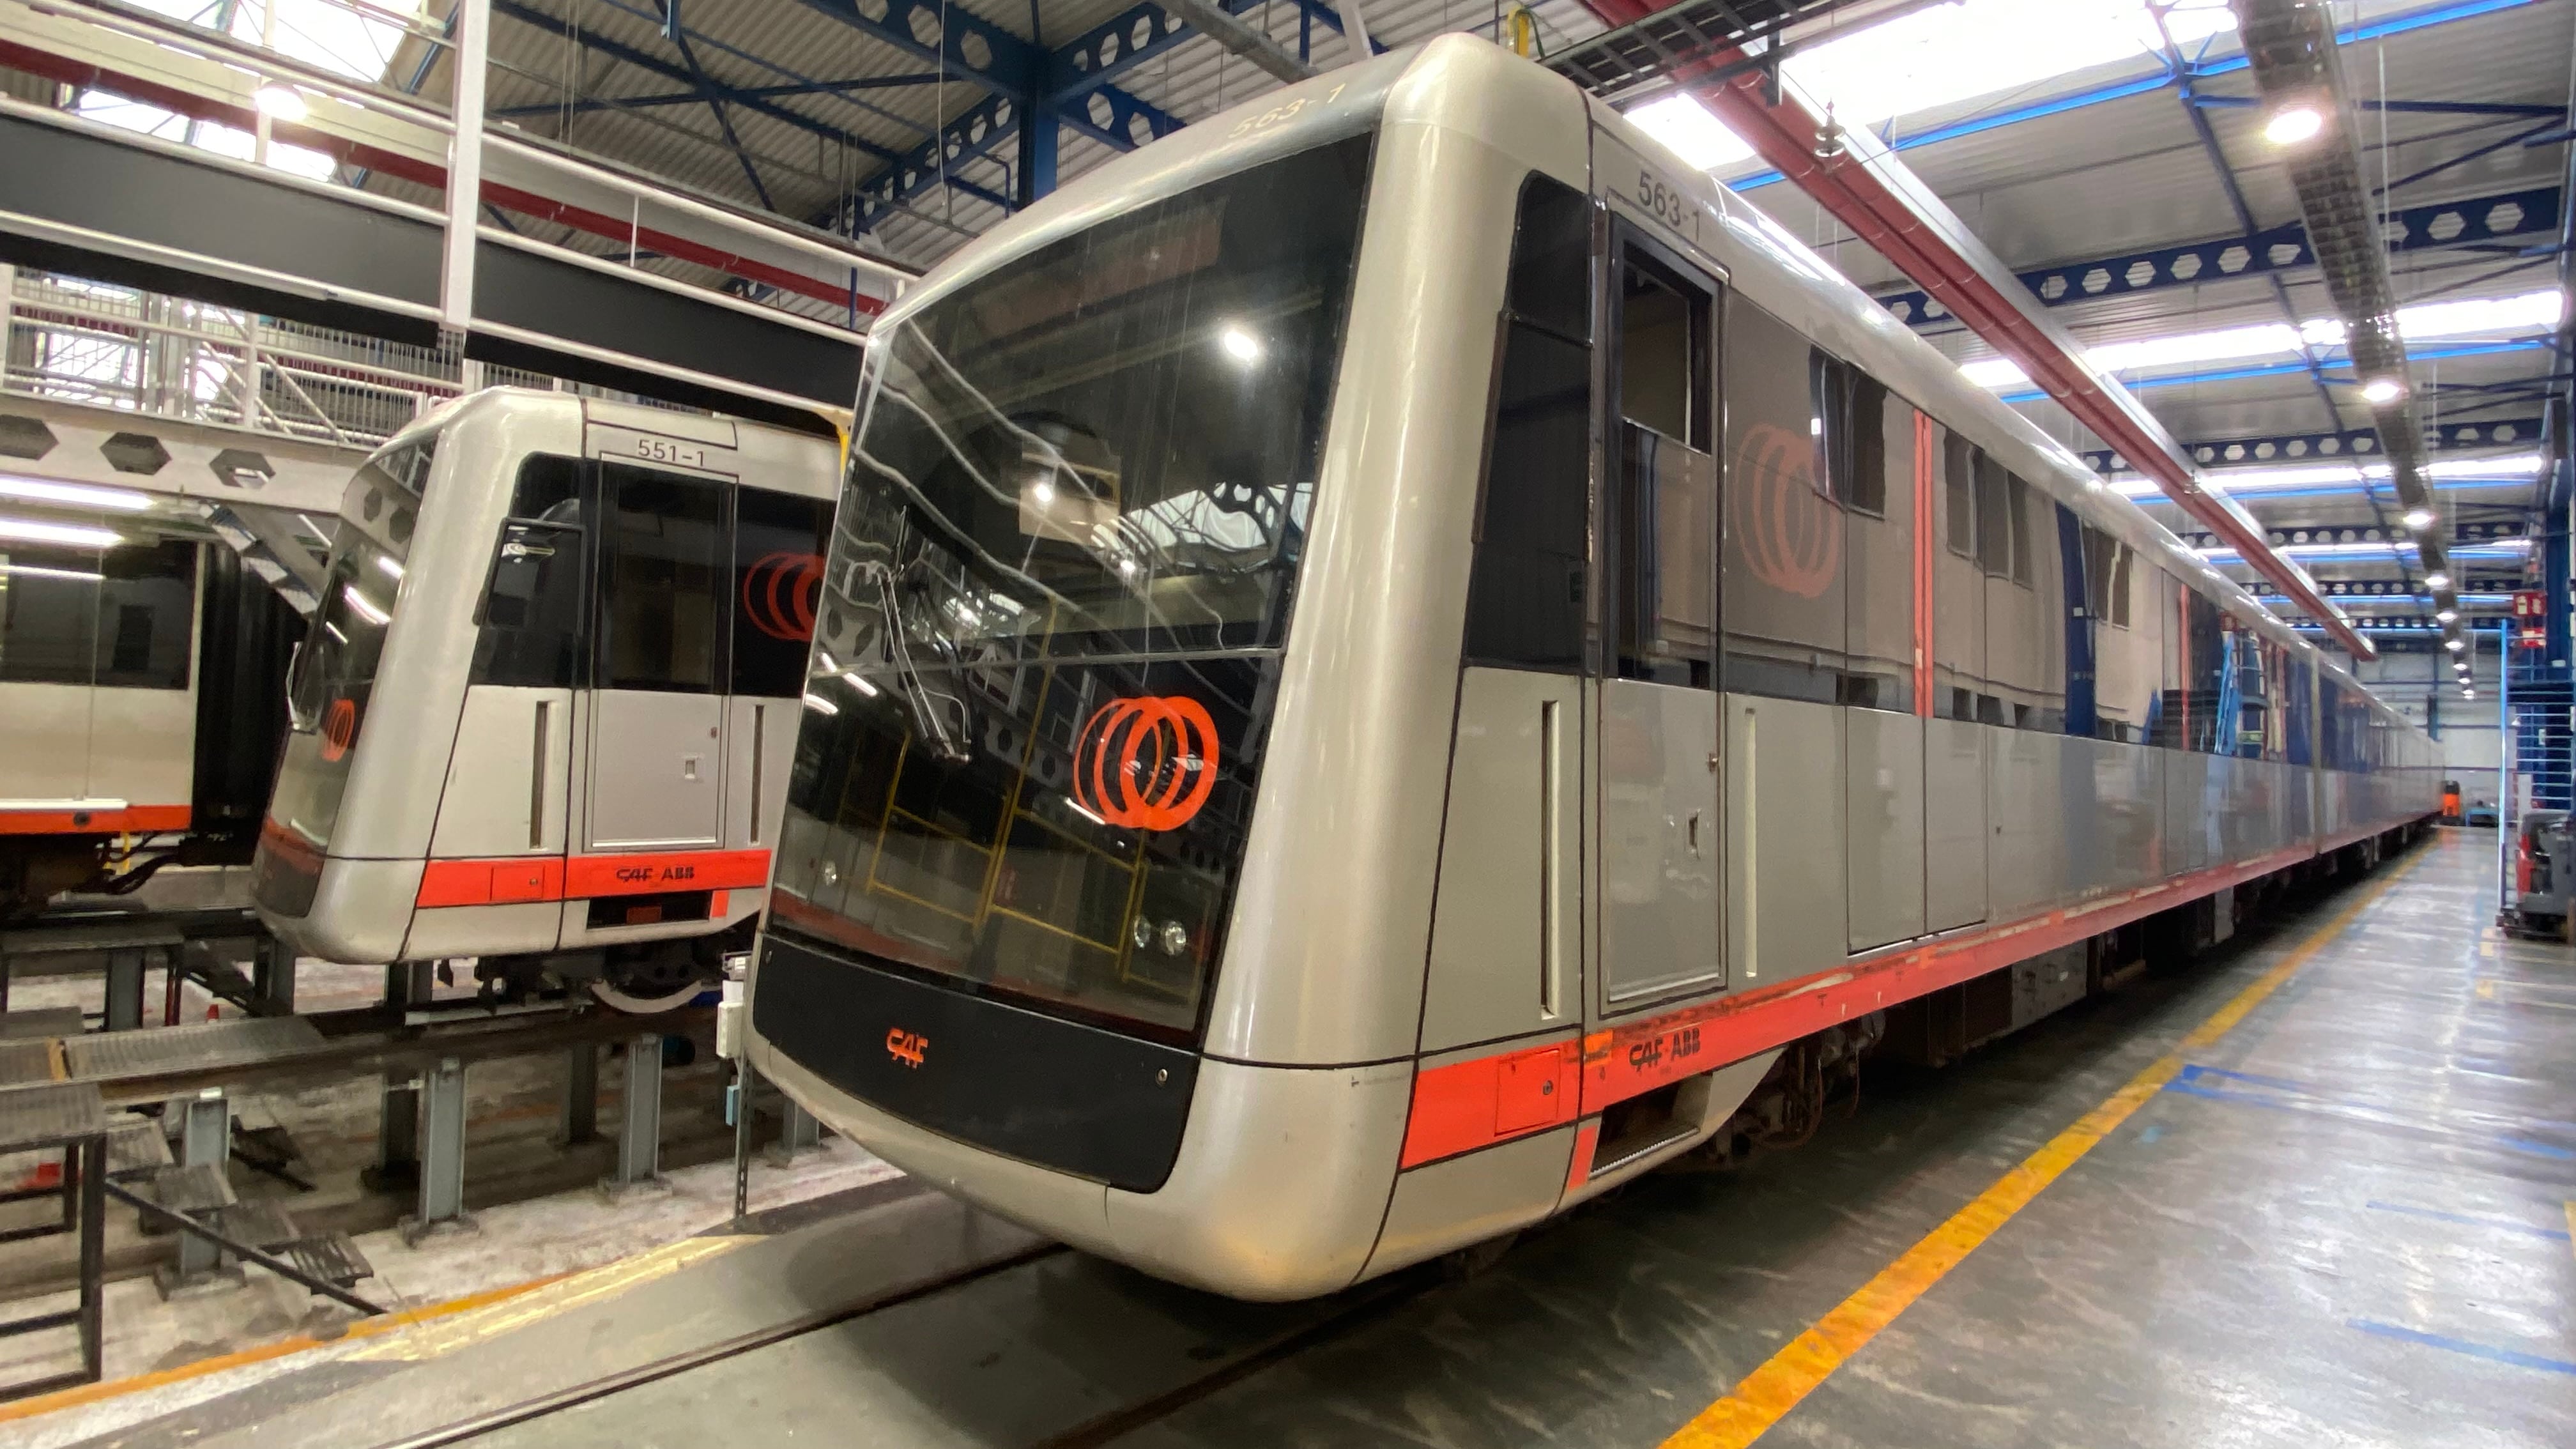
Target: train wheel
x,y
649,981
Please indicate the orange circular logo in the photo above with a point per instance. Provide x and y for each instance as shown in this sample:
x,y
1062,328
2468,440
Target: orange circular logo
x,y
778,595
1145,763
339,728
1792,535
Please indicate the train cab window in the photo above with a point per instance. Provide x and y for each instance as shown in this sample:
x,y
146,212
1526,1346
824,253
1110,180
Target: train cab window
x,y
1959,460
779,542
121,618
1525,597
1849,424
661,581
531,617
1663,495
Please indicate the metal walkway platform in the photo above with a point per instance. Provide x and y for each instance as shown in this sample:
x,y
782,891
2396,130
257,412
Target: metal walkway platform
x,y
2331,1193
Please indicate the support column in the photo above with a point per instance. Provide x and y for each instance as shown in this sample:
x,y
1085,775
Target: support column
x,y
581,1096
639,1135
125,968
272,977
205,1140
464,208
1040,137
798,1133
442,1163
398,1119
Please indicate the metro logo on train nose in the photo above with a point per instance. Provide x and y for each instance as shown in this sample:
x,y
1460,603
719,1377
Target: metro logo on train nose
x,y
1146,763
907,1047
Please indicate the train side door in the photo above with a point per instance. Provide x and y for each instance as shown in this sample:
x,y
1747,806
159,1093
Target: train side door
x,y
1660,823
657,716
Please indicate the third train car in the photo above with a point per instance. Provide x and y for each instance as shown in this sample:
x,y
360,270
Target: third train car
x,y
1396,658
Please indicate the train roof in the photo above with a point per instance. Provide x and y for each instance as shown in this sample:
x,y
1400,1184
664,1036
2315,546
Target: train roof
x,y
1764,263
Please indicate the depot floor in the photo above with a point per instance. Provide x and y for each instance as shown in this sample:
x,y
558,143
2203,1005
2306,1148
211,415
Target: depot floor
x,y
2312,1192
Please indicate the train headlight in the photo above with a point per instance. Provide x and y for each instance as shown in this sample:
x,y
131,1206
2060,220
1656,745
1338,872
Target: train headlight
x,y
1143,934
1176,938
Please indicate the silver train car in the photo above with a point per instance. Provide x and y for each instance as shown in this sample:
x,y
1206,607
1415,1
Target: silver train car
x,y
546,710
138,665
1390,658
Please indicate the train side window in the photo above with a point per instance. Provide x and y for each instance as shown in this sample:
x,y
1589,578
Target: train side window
x,y
661,581
1663,496
1551,277
1994,531
778,547
1663,345
2017,512
1959,459
118,619
2124,556
530,621
1849,424
1525,591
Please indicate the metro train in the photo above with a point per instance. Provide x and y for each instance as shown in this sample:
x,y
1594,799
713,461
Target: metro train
x,y
545,715
138,666
1395,659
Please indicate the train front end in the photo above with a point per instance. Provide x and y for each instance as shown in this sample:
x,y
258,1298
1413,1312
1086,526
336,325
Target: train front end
x,y
1105,881
543,715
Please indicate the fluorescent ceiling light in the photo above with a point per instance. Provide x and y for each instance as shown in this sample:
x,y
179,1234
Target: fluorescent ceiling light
x,y
1941,56
2453,645
76,495
2446,615
861,685
69,535
2292,125
2430,322
365,607
33,571
820,705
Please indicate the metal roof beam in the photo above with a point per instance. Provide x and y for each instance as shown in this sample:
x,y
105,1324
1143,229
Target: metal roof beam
x,y
1142,33
2466,222
2285,449
618,50
2413,20
732,93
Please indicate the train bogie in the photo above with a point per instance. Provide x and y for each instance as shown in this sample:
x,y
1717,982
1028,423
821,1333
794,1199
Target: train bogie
x,y
1685,668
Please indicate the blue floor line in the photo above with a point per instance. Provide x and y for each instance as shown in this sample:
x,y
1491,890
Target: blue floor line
x,y
2372,1116
2486,1351
2506,1225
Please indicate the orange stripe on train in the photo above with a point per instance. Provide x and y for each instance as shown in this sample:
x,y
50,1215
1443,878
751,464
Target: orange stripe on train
x,y
582,877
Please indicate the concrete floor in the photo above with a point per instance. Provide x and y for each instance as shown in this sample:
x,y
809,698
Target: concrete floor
x,y
2343,1221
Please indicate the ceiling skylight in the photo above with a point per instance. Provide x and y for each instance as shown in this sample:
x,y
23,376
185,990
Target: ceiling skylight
x,y
2429,322
1941,56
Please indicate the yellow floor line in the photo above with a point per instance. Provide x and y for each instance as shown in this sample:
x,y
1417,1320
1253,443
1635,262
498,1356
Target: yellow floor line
x,y
2571,1226
260,1353
448,1326
1771,1391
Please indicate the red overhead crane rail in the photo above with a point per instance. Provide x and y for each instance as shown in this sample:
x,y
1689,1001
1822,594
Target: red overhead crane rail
x,y
1783,132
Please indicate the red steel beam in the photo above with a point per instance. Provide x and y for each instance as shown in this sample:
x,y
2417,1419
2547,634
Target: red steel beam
x,y
1860,195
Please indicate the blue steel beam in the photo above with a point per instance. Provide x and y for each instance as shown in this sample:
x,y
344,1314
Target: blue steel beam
x,y
1144,32
715,102
2472,221
2280,369
2331,447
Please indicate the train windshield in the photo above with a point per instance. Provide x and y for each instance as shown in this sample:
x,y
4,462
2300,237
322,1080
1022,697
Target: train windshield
x,y
335,670
1060,576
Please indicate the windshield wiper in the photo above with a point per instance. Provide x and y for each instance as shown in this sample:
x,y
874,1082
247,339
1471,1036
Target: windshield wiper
x,y
930,707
